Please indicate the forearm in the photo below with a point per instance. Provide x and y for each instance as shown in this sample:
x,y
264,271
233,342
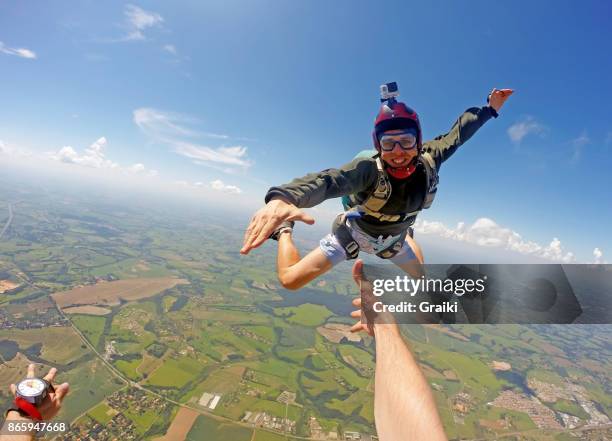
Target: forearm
x,y
404,406
470,121
314,188
14,418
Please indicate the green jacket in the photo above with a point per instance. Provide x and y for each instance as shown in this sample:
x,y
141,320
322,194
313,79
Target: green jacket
x,y
359,177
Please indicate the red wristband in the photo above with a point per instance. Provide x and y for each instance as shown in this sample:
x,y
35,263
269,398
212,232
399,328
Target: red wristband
x,y
28,408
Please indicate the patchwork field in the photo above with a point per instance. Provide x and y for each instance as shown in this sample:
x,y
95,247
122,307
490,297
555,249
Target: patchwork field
x,y
181,425
57,344
206,428
7,285
88,310
111,293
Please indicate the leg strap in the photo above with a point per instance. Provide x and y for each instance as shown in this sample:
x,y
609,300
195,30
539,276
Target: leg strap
x,y
343,234
393,249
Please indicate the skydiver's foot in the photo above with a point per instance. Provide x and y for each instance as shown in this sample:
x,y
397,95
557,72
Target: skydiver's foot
x,y
285,227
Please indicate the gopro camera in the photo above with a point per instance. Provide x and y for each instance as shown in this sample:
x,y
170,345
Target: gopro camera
x,y
388,91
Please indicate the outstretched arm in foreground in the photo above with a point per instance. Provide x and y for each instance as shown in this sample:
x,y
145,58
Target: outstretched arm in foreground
x,y
48,408
404,406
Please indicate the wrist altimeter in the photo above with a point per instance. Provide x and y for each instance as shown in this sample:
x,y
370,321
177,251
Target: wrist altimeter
x,y
30,394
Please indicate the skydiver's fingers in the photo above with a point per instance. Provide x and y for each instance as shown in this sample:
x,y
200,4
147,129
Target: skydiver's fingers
x,y
61,391
356,327
13,389
50,375
358,272
31,370
302,217
247,232
264,233
507,92
253,234
247,238
356,302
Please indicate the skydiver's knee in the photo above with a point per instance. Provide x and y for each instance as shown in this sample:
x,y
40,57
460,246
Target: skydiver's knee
x,y
289,280
418,252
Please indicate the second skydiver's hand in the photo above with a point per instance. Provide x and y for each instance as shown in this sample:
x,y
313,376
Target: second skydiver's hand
x,y
268,219
370,321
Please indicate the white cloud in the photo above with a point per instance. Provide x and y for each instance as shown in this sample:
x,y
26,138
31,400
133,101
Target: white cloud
x,y
137,168
169,128
233,156
578,144
19,52
598,256
217,185
485,232
158,124
138,20
170,48
13,151
527,126
95,157
220,186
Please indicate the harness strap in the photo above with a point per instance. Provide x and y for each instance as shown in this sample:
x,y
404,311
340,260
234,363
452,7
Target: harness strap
x,y
432,179
343,234
382,192
393,249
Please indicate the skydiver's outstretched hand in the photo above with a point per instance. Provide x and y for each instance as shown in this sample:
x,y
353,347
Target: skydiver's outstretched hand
x,y
268,219
498,97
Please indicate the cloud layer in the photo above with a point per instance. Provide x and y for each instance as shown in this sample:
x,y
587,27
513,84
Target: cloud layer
x,y
485,232
94,157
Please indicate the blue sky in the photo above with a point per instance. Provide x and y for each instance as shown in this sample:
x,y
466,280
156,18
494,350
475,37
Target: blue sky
x,y
246,94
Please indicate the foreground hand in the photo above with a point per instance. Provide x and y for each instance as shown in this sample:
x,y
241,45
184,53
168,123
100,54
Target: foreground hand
x,y
498,97
53,401
365,314
268,219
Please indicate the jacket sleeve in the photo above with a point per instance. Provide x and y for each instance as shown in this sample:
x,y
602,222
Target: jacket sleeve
x,y
315,188
442,147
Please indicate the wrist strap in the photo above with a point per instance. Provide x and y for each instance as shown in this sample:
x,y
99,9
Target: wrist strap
x,y
28,408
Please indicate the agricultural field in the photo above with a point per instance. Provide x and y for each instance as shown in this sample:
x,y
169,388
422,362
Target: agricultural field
x,y
173,312
102,413
180,426
211,430
112,293
92,327
58,345
305,315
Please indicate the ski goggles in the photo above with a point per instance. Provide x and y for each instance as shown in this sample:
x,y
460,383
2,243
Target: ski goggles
x,y
407,141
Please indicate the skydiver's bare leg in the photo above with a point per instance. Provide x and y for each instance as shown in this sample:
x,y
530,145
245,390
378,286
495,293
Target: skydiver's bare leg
x,y
293,272
413,266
